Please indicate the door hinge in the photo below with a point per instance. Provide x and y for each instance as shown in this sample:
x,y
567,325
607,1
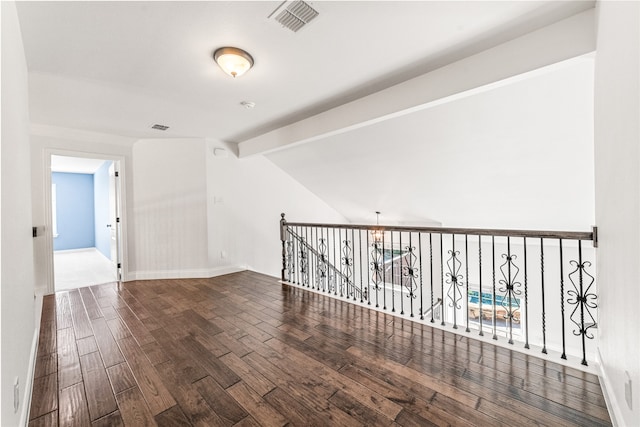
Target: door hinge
x,y
117,174
119,265
117,219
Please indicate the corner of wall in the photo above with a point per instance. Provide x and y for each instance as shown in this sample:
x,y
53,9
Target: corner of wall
x,y
605,382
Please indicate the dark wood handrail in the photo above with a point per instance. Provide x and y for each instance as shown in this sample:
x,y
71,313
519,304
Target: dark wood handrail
x,y
571,235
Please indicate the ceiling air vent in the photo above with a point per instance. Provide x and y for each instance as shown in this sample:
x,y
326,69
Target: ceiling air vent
x,y
159,127
295,15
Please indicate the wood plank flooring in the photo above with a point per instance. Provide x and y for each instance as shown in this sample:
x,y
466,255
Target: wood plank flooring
x,y
244,350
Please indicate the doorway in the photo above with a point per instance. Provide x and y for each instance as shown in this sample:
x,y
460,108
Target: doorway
x,y
85,221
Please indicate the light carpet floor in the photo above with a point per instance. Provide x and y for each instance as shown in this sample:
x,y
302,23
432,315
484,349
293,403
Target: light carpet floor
x,y
82,267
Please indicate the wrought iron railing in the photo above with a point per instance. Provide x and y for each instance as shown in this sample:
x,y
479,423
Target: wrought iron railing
x,y
528,289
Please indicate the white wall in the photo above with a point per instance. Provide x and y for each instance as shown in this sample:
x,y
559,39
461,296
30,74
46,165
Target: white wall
x,y
184,206
516,156
200,215
18,304
617,166
170,208
251,195
46,140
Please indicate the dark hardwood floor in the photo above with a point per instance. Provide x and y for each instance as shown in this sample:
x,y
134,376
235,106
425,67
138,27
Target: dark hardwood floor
x,y
244,350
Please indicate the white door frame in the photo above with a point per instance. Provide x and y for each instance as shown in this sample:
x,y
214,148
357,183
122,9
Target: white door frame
x,y
48,220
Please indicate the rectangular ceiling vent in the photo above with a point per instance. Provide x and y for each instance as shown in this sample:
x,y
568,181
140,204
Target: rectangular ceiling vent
x,y
295,15
159,127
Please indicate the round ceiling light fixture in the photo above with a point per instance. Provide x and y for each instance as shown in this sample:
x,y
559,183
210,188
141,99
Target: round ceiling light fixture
x,y
233,61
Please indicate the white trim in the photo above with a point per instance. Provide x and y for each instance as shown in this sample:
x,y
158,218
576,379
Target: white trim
x,y
79,250
183,274
27,392
54,210
609,398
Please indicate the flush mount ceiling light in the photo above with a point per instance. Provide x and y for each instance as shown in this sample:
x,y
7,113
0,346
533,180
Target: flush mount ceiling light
x,y
233,61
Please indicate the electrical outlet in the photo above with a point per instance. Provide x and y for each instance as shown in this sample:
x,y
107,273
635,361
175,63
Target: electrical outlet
x,y
223,254
16,394
628,391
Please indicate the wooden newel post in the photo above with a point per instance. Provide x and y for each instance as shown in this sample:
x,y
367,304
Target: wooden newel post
x,y
283,238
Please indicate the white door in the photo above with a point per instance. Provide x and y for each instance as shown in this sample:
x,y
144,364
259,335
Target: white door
x,y
114,218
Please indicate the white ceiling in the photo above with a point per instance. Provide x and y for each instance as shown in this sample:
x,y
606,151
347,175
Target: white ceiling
x,y
480,161
517,156
120,67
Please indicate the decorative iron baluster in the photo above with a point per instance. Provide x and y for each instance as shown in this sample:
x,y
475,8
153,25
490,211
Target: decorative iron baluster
x,y
393,299
323,259
442,278
410,273
421,275
332,273
296,248
336,260
283,228
376,267
510,287
454,280
431,273
526,298
352,283
368,294
481,313
583,299
347,267
334,285
304,257
466,282
321,267
493,293
564,352
399,273
544,314
289,262
310,258
301,247
362,295
384,278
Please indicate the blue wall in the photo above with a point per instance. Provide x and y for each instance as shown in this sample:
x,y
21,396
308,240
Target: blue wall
x,y
101,208
75,211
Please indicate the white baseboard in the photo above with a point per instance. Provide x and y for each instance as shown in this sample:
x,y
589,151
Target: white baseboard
x,y
28,388
79,250
607,390
183,274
